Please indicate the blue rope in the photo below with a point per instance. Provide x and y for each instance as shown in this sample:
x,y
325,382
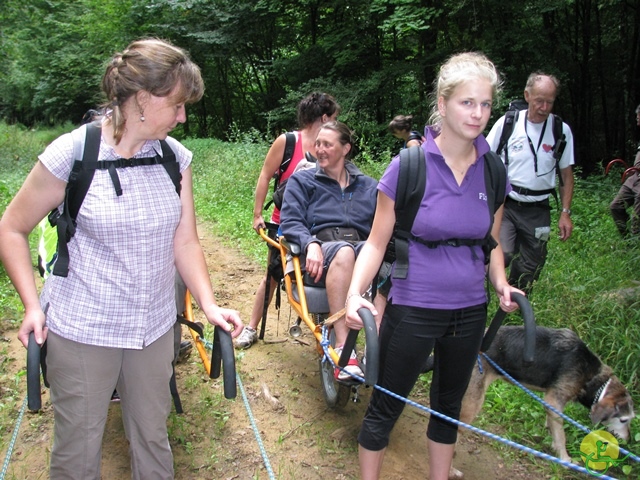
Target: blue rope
x,y
550,407
544,456
14,437
263,451
256,432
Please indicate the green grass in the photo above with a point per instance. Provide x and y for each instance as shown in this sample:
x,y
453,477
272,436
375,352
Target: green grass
x,y
19,150
224,180
574,290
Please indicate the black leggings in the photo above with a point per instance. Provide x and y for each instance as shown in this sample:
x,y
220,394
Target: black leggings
x,y
407,337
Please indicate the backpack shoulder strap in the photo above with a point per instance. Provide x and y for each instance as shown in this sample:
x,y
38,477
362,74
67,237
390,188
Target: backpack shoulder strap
x,y
510,119
559,138
558,148
78,184
557,128
83,170
495,178
414,135
412,182
289,148
170,163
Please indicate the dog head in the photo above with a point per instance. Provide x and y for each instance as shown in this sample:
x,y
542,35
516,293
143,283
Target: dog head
x,y
614,409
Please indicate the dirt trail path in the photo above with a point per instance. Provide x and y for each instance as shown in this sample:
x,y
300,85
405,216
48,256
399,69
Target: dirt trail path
x,y
302,438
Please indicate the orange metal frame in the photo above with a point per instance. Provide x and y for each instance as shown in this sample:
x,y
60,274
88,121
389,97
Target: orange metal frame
x,y
300,307
188,314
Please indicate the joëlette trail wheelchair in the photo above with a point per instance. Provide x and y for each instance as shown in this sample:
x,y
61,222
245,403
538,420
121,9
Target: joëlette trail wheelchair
x,y
312,308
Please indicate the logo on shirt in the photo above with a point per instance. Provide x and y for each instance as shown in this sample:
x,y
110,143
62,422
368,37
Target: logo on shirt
x,y
516,147
547,148
482,196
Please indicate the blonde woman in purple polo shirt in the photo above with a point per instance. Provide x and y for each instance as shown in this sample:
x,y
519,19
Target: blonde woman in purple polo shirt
x,y
110,321
442,304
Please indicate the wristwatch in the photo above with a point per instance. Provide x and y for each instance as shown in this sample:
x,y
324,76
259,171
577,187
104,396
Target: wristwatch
x,y
567,211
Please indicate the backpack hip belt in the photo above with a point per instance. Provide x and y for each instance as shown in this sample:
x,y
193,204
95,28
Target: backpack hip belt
x,y
529,191
535,193
540,203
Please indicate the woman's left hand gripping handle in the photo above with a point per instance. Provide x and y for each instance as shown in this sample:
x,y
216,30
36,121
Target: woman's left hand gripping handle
x,y
33,322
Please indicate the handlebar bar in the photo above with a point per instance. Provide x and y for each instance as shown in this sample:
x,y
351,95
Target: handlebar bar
x,y
629,171
612,163
222,354
265,236
372,352
529,327
34,398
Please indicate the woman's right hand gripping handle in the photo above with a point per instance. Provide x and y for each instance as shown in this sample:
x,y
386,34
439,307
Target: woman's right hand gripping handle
x,y
34,321
354,303
258,223
356,319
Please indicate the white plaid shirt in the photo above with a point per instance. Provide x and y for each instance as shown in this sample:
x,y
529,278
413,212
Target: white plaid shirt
x,y
120,288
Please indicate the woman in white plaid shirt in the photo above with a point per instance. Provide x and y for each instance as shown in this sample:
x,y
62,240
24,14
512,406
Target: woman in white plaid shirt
x,y
109,322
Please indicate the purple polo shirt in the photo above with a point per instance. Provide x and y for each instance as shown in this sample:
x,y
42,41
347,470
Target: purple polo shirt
x,y
444,277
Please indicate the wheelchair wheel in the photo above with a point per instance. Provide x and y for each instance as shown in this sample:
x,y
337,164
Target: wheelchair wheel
x,y
336,394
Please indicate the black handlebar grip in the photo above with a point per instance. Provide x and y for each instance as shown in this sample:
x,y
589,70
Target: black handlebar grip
x,y
223,354
372,353
529,352
529,319
34,398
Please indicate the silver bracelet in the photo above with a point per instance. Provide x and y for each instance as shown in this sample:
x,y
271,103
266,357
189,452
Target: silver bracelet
x,y
349,296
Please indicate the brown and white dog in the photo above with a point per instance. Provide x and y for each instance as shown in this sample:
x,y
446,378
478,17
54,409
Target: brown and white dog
x,y
565,370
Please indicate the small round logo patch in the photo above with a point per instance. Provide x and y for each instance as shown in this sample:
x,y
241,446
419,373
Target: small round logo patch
x,y
599,451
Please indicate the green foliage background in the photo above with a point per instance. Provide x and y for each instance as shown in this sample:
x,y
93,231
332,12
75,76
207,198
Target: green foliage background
x,y
378,58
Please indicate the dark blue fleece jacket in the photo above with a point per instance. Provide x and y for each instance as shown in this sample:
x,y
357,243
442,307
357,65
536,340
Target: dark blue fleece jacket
x,y
314,201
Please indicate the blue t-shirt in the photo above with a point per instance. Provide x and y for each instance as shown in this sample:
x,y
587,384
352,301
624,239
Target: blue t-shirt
x,y
444,277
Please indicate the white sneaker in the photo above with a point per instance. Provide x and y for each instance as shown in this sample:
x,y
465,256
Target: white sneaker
x,y
248,337
352,367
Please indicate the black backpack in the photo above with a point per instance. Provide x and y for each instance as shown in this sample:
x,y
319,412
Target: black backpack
x,y
560,142
278,194
289,148
81,177
412,182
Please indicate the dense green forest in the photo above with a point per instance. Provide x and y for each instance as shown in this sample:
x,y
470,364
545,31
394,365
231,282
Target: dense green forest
x,y
378,58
